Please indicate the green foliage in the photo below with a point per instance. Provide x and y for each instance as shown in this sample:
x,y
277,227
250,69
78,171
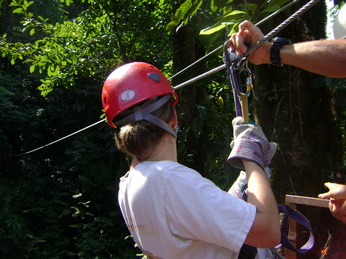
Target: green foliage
x,y
227,16
184,12
76,48
60,202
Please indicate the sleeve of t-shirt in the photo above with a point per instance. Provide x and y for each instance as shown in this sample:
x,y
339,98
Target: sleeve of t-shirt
x,y
197,209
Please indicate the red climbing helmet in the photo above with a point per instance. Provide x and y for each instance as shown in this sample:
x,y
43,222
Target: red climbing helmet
x,y
131,84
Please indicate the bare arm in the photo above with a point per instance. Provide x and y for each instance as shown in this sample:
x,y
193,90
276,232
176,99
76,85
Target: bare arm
x,y
324,57
265,231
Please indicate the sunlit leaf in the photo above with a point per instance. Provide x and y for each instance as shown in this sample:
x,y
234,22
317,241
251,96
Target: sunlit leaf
x,y
212,29
18,10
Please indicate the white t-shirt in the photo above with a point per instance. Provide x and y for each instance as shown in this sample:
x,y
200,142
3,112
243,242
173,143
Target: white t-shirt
x,y
173,212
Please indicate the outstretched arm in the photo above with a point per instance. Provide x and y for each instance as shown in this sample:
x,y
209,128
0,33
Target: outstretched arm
x,y
324,57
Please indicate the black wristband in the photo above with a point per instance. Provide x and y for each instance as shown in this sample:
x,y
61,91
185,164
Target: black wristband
x,y
275,50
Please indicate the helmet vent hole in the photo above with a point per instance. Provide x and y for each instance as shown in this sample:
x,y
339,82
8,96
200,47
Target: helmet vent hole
x,y
154,76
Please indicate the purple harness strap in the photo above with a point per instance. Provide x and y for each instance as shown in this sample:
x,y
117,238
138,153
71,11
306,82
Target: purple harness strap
x,y
237,88
285,226
299,218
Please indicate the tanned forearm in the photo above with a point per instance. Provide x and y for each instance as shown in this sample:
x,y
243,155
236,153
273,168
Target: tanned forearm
x,y
265,231
324,57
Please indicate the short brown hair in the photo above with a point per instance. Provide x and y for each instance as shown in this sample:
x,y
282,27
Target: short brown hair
x,y
137,137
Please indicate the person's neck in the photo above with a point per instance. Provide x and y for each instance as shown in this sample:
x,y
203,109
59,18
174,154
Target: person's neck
x,y
165,150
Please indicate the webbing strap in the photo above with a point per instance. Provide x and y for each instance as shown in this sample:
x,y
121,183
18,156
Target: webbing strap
x,y
139,112
160,123
237,89
143,113
299,218
285,226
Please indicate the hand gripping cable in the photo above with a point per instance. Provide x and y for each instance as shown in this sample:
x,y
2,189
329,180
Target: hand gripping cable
x,y
253,47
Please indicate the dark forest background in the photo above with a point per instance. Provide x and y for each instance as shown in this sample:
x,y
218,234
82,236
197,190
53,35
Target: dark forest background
x,y
60,201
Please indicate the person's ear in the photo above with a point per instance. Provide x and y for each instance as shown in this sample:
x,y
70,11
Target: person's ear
x,y
174,121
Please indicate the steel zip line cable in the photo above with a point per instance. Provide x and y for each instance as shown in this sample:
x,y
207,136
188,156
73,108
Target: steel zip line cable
x,y
220,47
51,143
255,46
212,71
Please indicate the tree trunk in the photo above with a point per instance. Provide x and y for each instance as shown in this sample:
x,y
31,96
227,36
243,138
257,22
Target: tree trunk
x,y
186,50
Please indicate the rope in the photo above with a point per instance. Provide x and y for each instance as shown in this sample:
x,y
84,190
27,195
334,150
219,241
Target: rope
x,y
212,71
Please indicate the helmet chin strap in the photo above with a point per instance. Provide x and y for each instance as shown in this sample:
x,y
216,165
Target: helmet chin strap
x,y
143,113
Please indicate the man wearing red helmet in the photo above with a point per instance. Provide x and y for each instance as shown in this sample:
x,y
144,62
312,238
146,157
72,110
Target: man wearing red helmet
x,y
170,209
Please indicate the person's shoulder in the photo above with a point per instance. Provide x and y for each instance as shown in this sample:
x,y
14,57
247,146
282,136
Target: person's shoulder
x,y
177,168
167,169
164,165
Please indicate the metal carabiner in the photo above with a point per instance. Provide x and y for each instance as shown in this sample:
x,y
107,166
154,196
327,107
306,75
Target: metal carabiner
x,y
234,70
249,81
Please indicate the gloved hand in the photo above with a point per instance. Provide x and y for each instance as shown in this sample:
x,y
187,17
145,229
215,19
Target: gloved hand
x,y
240,184
250,144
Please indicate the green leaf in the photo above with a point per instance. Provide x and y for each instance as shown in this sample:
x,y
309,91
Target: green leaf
x,y
212,29
187,9
32,31
219,4
271,9
32,68
251,7
232,15
277,3
235,12
18,10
